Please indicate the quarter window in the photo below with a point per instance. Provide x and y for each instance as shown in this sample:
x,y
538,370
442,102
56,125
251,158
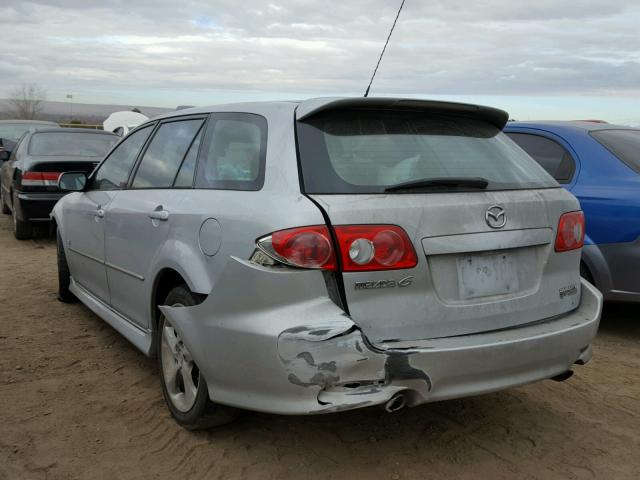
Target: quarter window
x,y
162,159
114,171
552,156
233,155
624,144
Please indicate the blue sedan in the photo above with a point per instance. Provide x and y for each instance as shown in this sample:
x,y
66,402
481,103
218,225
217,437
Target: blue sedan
x,y
600,164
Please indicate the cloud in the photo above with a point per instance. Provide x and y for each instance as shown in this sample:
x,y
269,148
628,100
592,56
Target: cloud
x,y
488,47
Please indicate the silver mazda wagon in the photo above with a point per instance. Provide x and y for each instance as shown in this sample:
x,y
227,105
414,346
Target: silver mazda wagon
x,y
330,254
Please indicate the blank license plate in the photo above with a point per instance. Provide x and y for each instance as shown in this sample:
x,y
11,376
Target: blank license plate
x,y
486,275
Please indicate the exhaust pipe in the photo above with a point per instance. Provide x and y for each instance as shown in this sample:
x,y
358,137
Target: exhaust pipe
x,y
395,403
563,376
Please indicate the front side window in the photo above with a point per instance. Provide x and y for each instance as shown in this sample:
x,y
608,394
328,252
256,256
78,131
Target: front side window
x,y
71,144
370,151
114,171
188,168
624,144
234,152
551,156
163,157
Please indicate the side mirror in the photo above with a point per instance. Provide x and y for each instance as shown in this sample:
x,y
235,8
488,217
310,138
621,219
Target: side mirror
x,y
4,155
72,181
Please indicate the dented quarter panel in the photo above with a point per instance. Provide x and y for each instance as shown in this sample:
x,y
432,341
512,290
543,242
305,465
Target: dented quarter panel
x,y
234,336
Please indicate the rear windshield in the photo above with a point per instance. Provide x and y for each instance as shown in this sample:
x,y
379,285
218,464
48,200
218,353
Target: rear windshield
x,y
624,144
367,151
71,144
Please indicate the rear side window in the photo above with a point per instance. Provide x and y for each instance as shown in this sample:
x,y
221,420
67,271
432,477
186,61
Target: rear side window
x,y
234,152
367,151
71,144
114,171
552,156
624,144
162,159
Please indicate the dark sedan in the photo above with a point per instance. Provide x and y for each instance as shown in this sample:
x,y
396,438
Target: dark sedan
x,y
28,188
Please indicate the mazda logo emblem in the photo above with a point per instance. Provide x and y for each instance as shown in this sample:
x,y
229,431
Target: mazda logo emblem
x,y
495,216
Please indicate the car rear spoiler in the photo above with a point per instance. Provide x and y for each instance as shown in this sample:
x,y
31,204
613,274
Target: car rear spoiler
x,y
313,106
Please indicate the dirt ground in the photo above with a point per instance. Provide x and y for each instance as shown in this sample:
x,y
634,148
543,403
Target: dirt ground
x,y
78,401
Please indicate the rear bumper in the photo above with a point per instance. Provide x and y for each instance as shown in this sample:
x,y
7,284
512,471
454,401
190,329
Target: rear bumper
x,y
308,357
36,206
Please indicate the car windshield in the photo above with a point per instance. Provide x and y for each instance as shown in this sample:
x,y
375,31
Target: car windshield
x,y
71,144
13,131
624,144
370,151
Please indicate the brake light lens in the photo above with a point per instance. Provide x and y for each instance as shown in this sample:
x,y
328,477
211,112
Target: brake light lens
x,y
305,247
39,179
361,247
570,234
374,247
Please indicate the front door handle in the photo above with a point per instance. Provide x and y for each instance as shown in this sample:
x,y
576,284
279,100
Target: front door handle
x,y
162,215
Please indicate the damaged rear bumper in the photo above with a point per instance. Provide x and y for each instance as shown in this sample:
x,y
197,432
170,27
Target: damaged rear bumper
x,y
259,350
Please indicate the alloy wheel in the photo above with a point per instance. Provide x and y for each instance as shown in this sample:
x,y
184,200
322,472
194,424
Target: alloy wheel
x,y
181,374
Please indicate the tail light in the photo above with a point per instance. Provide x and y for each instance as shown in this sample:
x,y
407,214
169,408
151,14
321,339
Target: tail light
x,y
361,247
570,234
39,179
305,247
374,247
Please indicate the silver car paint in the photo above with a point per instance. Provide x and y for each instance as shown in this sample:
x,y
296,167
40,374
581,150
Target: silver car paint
x,y
85,248
242,220
272,340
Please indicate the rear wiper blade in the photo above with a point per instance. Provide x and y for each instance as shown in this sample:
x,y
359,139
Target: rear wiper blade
x,y
444,182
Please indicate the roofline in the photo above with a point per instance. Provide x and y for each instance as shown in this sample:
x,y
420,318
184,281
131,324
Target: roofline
x,y
578,125
71,130
314,106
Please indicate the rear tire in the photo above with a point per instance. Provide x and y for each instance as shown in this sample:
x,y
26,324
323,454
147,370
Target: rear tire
x,y
5,207
64,276
586,274
21,230
183,385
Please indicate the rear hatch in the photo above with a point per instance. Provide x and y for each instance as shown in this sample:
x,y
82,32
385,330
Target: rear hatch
x,y
481,214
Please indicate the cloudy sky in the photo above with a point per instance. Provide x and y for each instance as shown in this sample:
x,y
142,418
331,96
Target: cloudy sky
x,y
543,58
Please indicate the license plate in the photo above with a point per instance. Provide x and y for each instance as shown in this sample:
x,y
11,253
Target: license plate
x,y
486,275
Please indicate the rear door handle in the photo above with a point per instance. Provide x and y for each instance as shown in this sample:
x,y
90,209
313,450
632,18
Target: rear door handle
x,y
162,215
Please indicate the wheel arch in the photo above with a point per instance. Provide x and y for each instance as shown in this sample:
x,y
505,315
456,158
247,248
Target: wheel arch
x,y
594,261
164,281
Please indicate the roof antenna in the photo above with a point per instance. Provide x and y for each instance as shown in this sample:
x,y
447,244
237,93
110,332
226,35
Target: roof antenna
x,y
366,93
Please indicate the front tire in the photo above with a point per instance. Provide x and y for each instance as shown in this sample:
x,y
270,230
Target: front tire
x,y
183,385
64,276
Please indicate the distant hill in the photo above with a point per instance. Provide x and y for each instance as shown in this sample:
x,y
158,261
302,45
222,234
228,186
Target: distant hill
x,y
86,112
